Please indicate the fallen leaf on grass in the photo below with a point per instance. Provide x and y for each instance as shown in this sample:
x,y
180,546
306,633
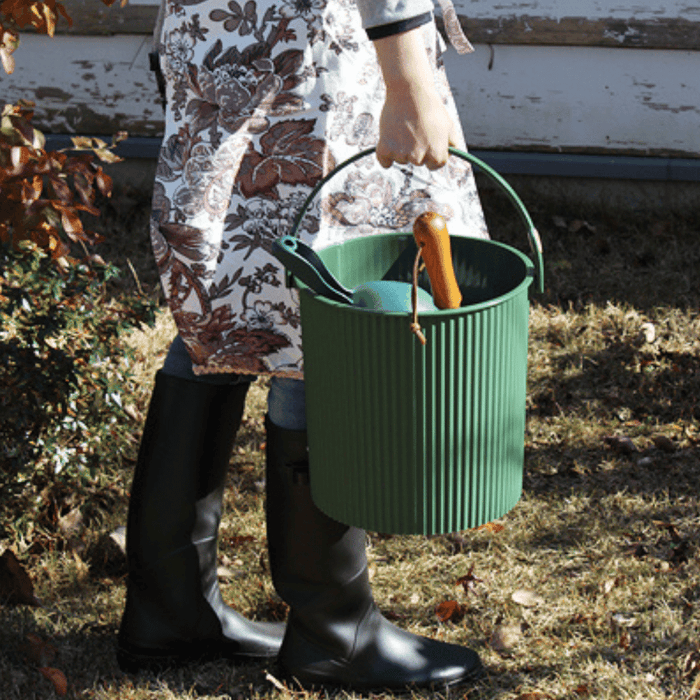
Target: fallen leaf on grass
x,y
16,587
37,650
469,581
664,443
277,684
527,598
57,677
238,540
682,553
581,618
449,610
133,412
276,609
505,637
691,664
621,444
647,333
625,641
578,224
620,621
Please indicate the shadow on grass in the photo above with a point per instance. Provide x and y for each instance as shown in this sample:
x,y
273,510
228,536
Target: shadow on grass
x,y
594,256
88,659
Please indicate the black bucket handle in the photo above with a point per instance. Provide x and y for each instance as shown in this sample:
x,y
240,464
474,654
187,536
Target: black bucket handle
x,y
532,233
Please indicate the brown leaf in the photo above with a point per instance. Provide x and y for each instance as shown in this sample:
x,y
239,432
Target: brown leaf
x,y
71,224
49,17
682,553
625,641
16,587
37,650
468,581
238,540
103,182
621,444
577,224
449,610
664,443
492,527
57,677
581,618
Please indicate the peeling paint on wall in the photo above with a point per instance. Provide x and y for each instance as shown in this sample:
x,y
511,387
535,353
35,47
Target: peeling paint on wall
x,y
579,99
86,85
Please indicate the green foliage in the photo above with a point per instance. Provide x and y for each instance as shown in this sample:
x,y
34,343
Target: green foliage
x,y
63,372
62,368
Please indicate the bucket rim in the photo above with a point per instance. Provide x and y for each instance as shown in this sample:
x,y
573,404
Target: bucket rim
x,y
523,285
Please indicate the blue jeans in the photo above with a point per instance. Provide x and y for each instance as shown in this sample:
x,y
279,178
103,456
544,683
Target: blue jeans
x,y
286,400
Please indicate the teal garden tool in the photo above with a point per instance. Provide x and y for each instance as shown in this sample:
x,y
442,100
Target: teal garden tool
x,y
379,295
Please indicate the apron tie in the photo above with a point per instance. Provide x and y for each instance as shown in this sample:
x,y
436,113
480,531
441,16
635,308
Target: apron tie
x,y
454,28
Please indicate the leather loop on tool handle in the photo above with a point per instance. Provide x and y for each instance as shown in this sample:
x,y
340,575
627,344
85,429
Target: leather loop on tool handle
x,y
415,326
533,235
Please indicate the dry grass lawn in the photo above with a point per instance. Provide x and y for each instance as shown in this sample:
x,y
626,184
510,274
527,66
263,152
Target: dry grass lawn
x,y
588,588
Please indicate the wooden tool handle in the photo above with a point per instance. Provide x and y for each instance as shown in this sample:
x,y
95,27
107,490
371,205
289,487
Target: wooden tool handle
x,y
430,232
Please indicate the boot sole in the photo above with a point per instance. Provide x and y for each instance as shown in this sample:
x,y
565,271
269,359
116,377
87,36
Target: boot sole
x,y
447,687
134,661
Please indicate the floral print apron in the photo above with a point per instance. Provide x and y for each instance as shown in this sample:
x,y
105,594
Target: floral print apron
x,y
265,97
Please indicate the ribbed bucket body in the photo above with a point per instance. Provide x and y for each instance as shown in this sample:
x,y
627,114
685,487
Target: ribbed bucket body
x,y
406,438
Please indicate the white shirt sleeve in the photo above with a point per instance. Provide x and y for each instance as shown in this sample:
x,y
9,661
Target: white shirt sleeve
x,y
375,13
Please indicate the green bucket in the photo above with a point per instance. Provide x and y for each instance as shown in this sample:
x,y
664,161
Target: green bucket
x,y
411,438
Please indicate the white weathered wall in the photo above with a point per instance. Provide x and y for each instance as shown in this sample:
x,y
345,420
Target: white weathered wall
x,y
579,98
87,84
641,23
591,9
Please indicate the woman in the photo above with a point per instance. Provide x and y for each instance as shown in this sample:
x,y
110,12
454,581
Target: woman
x,y
263,99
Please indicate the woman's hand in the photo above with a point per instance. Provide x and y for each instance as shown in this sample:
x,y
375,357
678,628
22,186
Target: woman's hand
x,y
415,126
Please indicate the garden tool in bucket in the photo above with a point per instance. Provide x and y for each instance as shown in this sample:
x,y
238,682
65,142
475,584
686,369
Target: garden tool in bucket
x,y
406,437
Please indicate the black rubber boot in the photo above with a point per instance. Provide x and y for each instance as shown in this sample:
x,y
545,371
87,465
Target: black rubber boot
x,y
336,636
174,611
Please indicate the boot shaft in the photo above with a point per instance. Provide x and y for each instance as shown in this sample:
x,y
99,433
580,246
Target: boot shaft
x,y
181,468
